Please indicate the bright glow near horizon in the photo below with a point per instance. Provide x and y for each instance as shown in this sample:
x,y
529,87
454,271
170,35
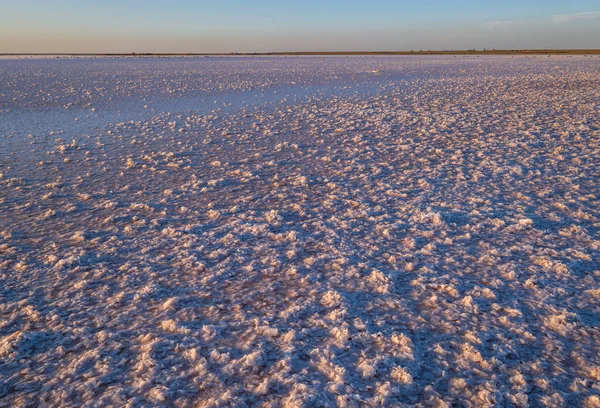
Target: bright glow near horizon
x,y
32,26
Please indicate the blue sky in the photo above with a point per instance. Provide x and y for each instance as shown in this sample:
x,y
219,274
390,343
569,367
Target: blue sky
x,y
269,25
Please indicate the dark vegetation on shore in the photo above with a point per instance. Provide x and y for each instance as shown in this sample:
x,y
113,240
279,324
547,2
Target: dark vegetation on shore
x,y
336,53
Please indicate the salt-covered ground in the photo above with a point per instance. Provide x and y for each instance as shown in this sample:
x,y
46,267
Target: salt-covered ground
x,y
300,232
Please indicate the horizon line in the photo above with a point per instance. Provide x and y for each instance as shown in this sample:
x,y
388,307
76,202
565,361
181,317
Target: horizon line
x,y
572,51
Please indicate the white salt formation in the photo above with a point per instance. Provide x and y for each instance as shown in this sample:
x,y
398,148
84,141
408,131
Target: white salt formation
x,y
300,232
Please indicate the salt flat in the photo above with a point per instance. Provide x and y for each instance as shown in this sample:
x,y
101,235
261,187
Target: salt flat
x,y
300,232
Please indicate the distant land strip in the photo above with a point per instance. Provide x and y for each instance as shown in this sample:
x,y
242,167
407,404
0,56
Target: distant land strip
x,y
334,53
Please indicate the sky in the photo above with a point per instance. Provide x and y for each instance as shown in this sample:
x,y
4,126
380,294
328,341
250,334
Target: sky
x,y
97,26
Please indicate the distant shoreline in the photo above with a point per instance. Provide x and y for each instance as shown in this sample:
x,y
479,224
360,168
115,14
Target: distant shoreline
x,y
322,53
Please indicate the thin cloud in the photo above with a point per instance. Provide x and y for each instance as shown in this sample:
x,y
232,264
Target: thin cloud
x,y
567,18
504,24
556,19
